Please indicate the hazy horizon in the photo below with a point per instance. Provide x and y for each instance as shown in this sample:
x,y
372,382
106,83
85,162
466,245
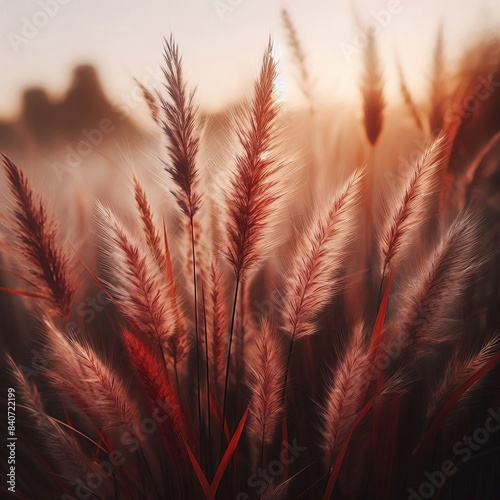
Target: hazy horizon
x,y
219,40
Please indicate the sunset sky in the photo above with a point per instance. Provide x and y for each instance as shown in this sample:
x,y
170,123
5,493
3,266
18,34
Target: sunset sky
x,y
222,42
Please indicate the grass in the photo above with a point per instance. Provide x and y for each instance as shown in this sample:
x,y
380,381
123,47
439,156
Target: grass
x,y
189,388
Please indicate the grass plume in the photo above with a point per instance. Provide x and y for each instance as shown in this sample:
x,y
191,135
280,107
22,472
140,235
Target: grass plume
x,y
48,265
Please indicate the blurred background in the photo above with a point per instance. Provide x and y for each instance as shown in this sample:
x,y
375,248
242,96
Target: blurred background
x,y
219,40
71,107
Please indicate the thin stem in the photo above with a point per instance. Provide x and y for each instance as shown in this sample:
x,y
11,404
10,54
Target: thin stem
x,y
148,468
370,478
261,460
116,488
196,327
289,356
143,484
228,363
163,359
208,379
241,342
381,285
177,378
313,485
